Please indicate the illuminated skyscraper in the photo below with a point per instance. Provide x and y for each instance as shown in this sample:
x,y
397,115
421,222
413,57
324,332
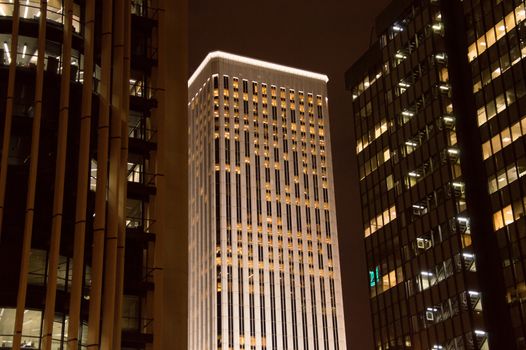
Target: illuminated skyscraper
x,y
93,177
264,260
439,104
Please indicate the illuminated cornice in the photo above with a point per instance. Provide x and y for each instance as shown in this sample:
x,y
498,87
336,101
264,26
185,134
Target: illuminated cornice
x,y
257,63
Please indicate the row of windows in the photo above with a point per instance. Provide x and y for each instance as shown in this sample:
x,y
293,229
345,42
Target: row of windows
x,y
30,10
503,139
447,156
380,221
507,176
374,162
378,130
425,278
501,65
509,214
496,32
500,103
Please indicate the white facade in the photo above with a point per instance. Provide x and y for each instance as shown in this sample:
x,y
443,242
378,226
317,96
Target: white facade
x,y
264,264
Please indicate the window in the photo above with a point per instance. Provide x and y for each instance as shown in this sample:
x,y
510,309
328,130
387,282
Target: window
x,y
508,214
495,33
507,176
380,221
505,138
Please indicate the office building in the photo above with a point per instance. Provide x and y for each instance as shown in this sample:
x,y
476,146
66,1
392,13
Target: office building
x,y
439,113
263,261
93,178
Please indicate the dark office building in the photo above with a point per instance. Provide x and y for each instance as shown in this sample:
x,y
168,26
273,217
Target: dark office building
x,y
439,111
93,184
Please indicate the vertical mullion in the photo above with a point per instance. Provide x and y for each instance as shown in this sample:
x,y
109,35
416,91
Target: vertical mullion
x,y
82,179
123,176
99,226
110,262
32,179
9,108
58,202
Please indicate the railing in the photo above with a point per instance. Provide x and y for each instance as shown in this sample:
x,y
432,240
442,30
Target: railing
x,y
138,176
148,274
141,131
137,324
136,222
140,88
142,8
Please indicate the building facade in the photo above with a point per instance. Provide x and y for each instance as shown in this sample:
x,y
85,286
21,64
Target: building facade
x,y
264,261
93,178
438,107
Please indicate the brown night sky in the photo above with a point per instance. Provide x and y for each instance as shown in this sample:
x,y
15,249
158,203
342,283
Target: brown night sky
x,y
324,36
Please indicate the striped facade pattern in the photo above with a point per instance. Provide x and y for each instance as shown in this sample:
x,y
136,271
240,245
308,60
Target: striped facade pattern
x,y
264,260
84,155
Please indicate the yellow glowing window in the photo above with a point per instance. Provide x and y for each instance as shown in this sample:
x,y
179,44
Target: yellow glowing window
x,y
365,140
508,214
495,33
507,176
504,138
381,220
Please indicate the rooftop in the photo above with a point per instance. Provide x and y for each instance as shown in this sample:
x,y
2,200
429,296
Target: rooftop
x,y
254,62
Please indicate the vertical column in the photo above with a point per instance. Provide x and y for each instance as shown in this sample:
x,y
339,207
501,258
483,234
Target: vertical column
x,y
82,179
112,232
32,179
9,109
171,202
60,169
125,107
99,226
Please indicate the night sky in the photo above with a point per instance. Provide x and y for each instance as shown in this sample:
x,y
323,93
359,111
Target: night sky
x,y
324,36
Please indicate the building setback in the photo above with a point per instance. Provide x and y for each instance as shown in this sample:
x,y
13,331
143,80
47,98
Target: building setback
x,y
264,261
93,177
439,110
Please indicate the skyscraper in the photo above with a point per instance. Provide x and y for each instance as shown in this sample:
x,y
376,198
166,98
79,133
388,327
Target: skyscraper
x,y
439,113
264,260
93,180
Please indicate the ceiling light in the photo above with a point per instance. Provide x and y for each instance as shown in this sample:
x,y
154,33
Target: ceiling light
x,y
6,48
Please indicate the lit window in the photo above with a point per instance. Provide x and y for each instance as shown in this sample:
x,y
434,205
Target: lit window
x,y
495,33
507,176
508,214
380,221
505,138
